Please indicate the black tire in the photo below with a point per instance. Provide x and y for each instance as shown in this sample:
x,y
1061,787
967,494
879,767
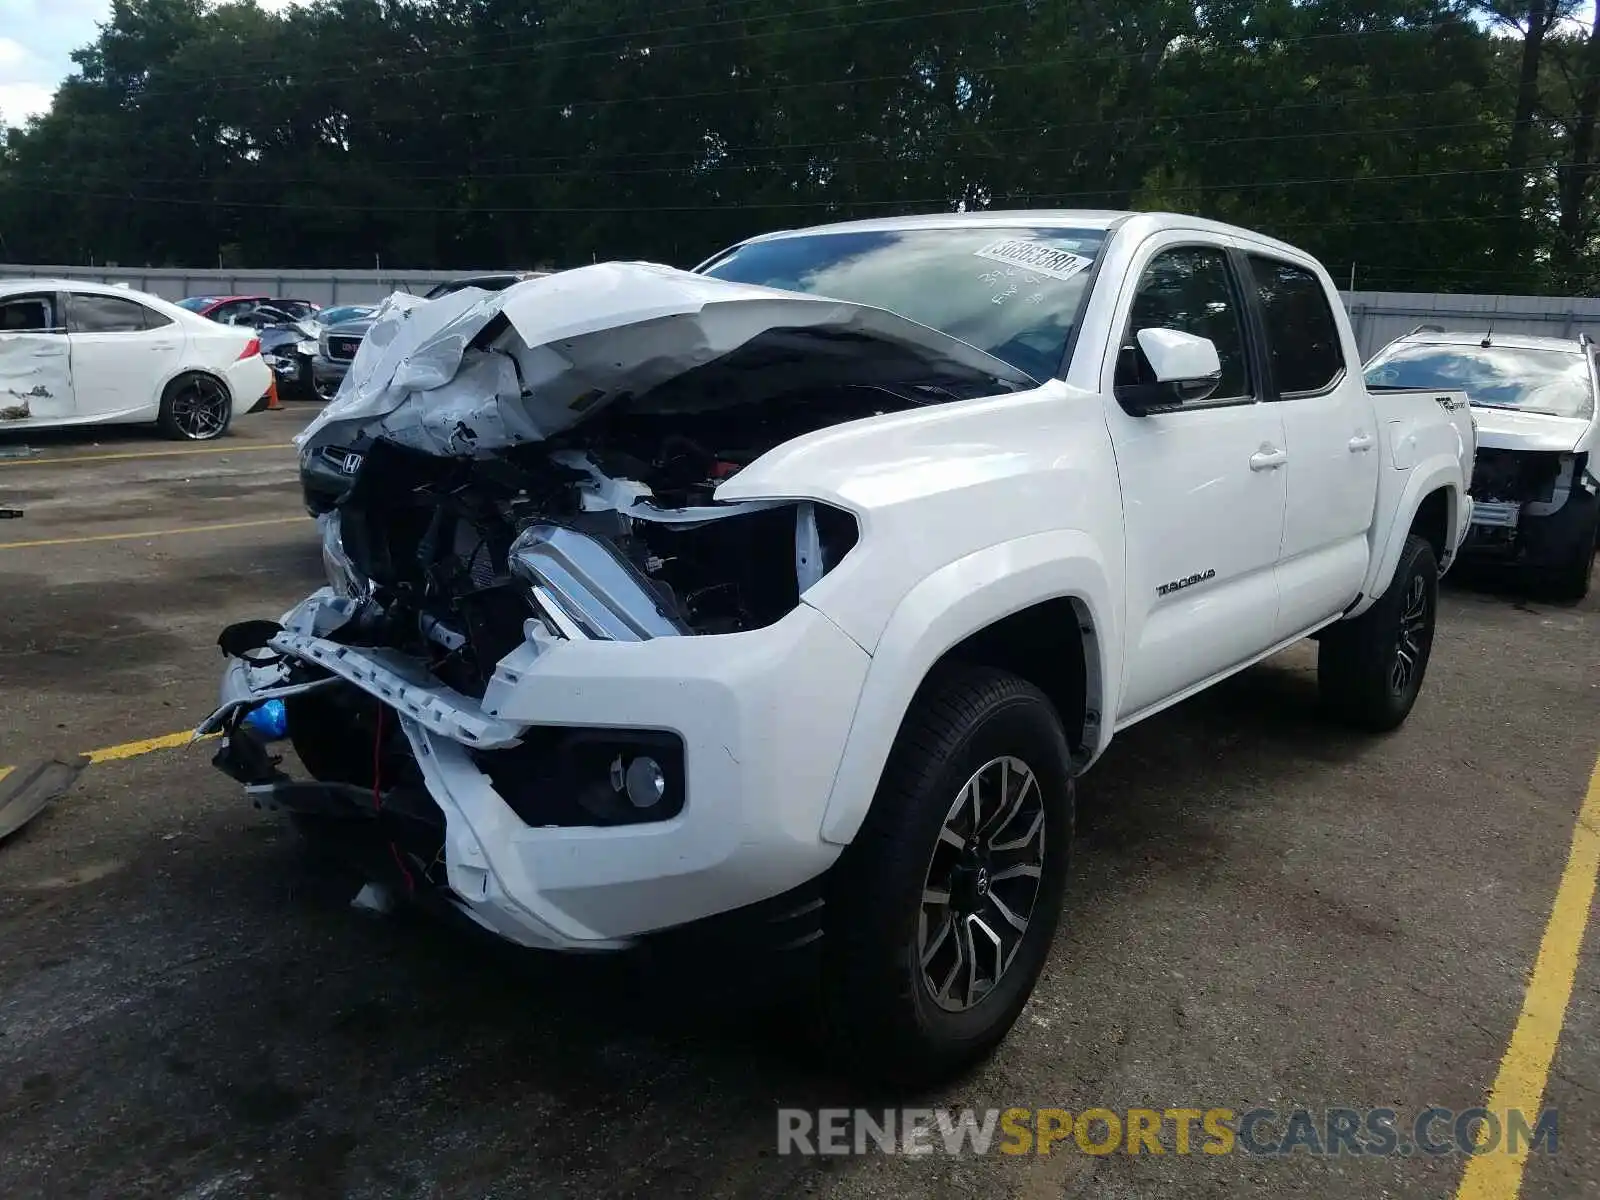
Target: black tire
x,y
883,1017
1360,663
1570,581
195,408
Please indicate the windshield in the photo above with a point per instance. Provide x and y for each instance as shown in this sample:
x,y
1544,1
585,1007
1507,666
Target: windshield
x,y
196,303
1015,293
1554,382
343,312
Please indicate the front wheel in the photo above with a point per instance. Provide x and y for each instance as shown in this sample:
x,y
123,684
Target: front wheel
x,y
942,911
1370,669
1570,581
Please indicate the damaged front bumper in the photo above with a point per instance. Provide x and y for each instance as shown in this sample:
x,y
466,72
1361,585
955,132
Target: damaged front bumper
x,y
1531,509
747,728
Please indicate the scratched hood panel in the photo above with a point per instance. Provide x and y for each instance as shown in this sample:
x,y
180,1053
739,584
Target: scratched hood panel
x,y
473,372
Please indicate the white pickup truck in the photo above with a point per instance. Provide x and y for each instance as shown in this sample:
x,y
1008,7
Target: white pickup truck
x,y
789,596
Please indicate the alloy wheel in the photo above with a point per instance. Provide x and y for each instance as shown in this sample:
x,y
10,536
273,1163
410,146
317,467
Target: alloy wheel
x,y
1411,648
200,410
982,882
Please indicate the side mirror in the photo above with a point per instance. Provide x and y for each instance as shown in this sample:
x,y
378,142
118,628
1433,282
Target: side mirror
x,y
1178,368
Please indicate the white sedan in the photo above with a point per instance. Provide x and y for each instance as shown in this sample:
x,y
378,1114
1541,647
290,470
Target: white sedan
x,y
74,353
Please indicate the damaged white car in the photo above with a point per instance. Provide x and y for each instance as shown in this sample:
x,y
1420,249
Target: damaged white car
x,y
76,353
785,599
1536,481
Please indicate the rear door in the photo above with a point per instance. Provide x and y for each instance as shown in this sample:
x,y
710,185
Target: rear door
x,y
35,362
122,353
1203,494
1330,436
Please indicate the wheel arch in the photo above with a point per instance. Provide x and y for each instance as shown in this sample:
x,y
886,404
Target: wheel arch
x,y
190,371
1429,505
999,606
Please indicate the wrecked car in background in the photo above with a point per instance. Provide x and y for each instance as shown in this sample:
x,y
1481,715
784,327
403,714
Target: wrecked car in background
x,y
1536,484
785,600
336,348
76,353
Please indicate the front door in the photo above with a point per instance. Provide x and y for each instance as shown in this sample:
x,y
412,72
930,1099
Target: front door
x,y
1202,489
1331,437
35,364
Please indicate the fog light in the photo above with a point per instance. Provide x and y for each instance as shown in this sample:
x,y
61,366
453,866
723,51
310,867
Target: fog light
x,y
646,782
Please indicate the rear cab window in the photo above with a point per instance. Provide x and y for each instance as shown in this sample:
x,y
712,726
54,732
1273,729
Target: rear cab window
x,y
1302,333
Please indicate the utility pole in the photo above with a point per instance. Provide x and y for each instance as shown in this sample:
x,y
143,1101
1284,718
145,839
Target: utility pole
x,y
1352,277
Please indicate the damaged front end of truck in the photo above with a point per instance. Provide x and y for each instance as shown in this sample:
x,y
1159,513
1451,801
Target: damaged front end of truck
x,y
552,678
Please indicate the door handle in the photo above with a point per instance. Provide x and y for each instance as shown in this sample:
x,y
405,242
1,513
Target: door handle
x,y
1360,443
1266,458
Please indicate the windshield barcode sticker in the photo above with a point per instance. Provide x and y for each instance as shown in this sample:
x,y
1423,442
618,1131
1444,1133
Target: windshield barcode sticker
x,y
1045,260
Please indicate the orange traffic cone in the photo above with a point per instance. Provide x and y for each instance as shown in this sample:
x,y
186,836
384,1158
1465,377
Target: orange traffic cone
x,y
272,395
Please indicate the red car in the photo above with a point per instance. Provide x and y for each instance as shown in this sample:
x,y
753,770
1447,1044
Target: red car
x,y
226,308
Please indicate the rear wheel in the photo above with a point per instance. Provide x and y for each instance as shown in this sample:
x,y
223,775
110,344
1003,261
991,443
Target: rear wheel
x,y
942,911
196,408
1370,669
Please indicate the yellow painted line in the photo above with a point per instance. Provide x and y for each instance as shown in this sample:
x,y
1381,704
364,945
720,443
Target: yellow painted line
x,y
1525,1069
167,741
83,458
151,533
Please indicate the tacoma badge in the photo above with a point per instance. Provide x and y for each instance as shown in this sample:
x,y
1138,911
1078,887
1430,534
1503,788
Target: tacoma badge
x,y
1177,585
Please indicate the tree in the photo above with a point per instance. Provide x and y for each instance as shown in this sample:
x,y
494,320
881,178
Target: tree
x,y
1404,137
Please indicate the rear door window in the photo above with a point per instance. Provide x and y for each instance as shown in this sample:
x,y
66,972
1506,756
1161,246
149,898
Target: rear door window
x,y
106,314
1302,334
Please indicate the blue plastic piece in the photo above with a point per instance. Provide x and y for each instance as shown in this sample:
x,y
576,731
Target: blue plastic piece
x,y
270,721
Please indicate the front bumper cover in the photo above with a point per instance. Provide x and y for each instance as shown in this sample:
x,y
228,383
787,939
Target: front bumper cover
x,y
1535,537
762,715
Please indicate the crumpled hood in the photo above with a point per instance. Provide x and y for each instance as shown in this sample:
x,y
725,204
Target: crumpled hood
x,y
474,371
1509,429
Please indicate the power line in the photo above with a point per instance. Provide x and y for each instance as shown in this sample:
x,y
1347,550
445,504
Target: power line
x,y
497,55
1038,129
731,206
540,40
730,159
976,70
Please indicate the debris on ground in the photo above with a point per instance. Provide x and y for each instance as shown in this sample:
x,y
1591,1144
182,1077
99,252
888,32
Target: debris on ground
x,y
26,790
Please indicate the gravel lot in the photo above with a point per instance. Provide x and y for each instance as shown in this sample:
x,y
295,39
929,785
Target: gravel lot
x,y
1264,911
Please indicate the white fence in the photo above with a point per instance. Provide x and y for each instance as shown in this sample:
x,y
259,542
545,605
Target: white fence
x,y
1378,317
319,287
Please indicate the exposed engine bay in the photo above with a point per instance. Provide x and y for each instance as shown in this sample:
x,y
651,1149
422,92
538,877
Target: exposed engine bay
x,y
1517,476
453,556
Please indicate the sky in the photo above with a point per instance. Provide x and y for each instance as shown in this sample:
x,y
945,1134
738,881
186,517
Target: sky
x,y
36,39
